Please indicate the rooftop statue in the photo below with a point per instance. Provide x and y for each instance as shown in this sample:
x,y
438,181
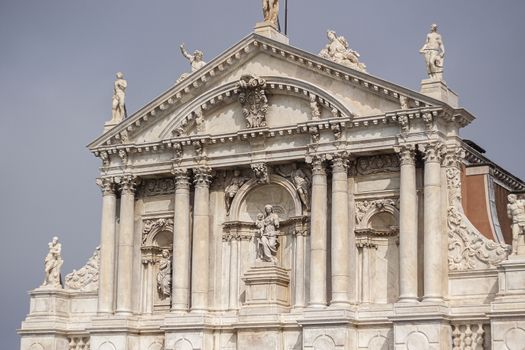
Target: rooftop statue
x,y
271,11
339,51
267,233
196,61
118,102
516,212
434,53
52,264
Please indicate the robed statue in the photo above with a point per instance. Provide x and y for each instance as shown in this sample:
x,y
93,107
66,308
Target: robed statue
x,y
338,50
196,61
267,234
434,53
164,275
52,264
271,12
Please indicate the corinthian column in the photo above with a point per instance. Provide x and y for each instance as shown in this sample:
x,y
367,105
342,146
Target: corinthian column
x,y
181,243
408,226
107,246
318,234
128,185
201,239
433,235
340,250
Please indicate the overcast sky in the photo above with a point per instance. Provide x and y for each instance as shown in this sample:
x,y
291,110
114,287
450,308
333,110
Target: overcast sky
x,y
57,64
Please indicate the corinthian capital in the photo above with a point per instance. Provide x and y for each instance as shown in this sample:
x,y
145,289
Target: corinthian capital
x,y
407,154
318,164
202,176
454,156
182,178
107,186
432,152
339,162
128,183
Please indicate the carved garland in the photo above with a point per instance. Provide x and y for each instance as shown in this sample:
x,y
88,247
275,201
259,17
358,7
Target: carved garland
x,y
366,207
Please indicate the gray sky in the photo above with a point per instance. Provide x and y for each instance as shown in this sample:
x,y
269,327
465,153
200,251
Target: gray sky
x,y
58,59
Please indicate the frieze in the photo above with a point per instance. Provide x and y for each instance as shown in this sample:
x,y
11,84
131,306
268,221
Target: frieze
x,y
378,164
158,187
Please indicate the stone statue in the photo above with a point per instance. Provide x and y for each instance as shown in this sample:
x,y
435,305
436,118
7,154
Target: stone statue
x,y
516,212
233,187
434,53
119,95
196,61
85,279
164,275
52,264
267,234
271,12
338,51
302,184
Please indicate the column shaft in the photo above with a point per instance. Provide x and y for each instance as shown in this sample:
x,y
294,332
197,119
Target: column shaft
x,y
125,245
234,273
299,270
201,240
433,258
408,224
181,243
318,275
107,247
340,235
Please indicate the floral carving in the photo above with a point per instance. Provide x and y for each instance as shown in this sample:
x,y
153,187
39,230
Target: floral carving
x,y
253,100
377,164
364,207
156,225
85,279
261,172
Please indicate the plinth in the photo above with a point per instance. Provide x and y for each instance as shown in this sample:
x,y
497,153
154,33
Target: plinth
x,y
439,90
268,30
267,289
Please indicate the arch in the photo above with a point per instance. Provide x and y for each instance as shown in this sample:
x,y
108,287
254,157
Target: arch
x,y
252,184
183,344
107,345
155,346
155,227
275,84
36,346
379,342
515,338
377,207
417,341
324,342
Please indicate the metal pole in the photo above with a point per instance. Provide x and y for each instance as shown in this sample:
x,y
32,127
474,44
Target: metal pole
x,y
285,17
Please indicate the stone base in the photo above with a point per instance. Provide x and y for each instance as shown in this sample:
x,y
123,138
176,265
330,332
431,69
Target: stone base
x,y
267,289
439,90
268,30
511,277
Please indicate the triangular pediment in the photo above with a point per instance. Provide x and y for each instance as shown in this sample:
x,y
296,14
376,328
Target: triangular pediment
x,y
207,101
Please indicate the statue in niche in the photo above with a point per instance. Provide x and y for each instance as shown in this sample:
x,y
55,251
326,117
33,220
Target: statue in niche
x,y
233,187
434,53
271,12
52,264
302,185
338,51
516,212
267,233
118,105
196,61
164,275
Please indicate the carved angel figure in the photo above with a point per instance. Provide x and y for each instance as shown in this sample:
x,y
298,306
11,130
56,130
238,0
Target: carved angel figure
x,y
196,61
85,279
434,53
516,212
233,187
118,105
52,264
271,11
164,275
267,233
339,51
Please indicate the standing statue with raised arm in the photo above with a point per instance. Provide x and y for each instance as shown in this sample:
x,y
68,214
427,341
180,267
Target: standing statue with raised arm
x,y
271,12
516,212
52,264
434,53
118,102
196,61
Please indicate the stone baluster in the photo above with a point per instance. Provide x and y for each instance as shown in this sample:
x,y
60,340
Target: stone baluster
x,y
107,246
201,240
318,235
433,231
128,185
181,243
408,225
340,235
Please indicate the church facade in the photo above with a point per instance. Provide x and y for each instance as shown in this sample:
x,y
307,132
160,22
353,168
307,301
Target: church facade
x,y
277,199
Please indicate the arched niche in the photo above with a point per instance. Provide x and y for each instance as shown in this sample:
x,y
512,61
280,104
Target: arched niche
x,y
380,214
253,196
158,233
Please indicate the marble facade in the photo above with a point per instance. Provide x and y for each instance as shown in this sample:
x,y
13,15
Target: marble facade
x,y
374,249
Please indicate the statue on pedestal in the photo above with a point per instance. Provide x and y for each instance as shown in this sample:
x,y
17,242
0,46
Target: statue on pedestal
x,y
118,105
434,53
338,51
267,233
271,12
52,264
164,275
516,212
196,61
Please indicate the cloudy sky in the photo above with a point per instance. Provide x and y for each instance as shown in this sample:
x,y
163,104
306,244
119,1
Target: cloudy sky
x,y
58,59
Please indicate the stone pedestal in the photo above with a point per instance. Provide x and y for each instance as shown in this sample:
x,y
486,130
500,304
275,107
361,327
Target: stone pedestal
x,y
268,30
439,90
267,289
507,316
